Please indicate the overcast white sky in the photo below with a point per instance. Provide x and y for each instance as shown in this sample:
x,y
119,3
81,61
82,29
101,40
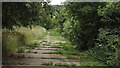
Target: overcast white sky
x,y
56,2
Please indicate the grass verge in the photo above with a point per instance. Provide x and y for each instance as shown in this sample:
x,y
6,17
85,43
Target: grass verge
x,y
87,60
84,57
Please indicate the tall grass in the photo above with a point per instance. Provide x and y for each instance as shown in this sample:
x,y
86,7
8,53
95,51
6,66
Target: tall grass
x,y
17,38
10,42
53,32
31,34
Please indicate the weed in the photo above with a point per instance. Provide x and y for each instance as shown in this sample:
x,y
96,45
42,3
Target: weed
x,y
44,41
71,57
68,57
54,47
34,52
31,46
35,43
30,57
51,58
53,53
21,50
64,64
47,64
53,33
58,64
22,63
21,56
48,49
72,52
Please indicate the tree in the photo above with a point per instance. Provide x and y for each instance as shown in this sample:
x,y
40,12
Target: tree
x,y
85,23
24,14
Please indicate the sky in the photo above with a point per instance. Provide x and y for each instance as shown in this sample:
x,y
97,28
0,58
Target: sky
x,y
56,2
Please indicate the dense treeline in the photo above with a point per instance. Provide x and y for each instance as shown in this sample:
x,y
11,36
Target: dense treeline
x,y
87,25
94,27
26,14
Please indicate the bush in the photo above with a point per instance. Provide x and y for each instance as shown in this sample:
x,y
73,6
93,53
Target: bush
x,y
106,49
108,40
83,23
14,39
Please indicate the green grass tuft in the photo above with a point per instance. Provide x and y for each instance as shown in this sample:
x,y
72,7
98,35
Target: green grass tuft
x,y
34,52
21,50
53,53
71,57
58,64
51,58
49,49
47,64
64,64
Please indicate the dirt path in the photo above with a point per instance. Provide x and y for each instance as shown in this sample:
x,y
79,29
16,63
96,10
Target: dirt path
x,y
36,57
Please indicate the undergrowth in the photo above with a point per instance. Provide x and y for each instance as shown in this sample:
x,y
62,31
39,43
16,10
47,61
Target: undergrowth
x,y
13,40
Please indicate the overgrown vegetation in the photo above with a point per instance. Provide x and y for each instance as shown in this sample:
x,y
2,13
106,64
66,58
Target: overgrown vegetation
x,y
85,58
21,50
10,42
15,41
92,28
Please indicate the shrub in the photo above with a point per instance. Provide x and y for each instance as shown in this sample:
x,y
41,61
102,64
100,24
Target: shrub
x,y
106,49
